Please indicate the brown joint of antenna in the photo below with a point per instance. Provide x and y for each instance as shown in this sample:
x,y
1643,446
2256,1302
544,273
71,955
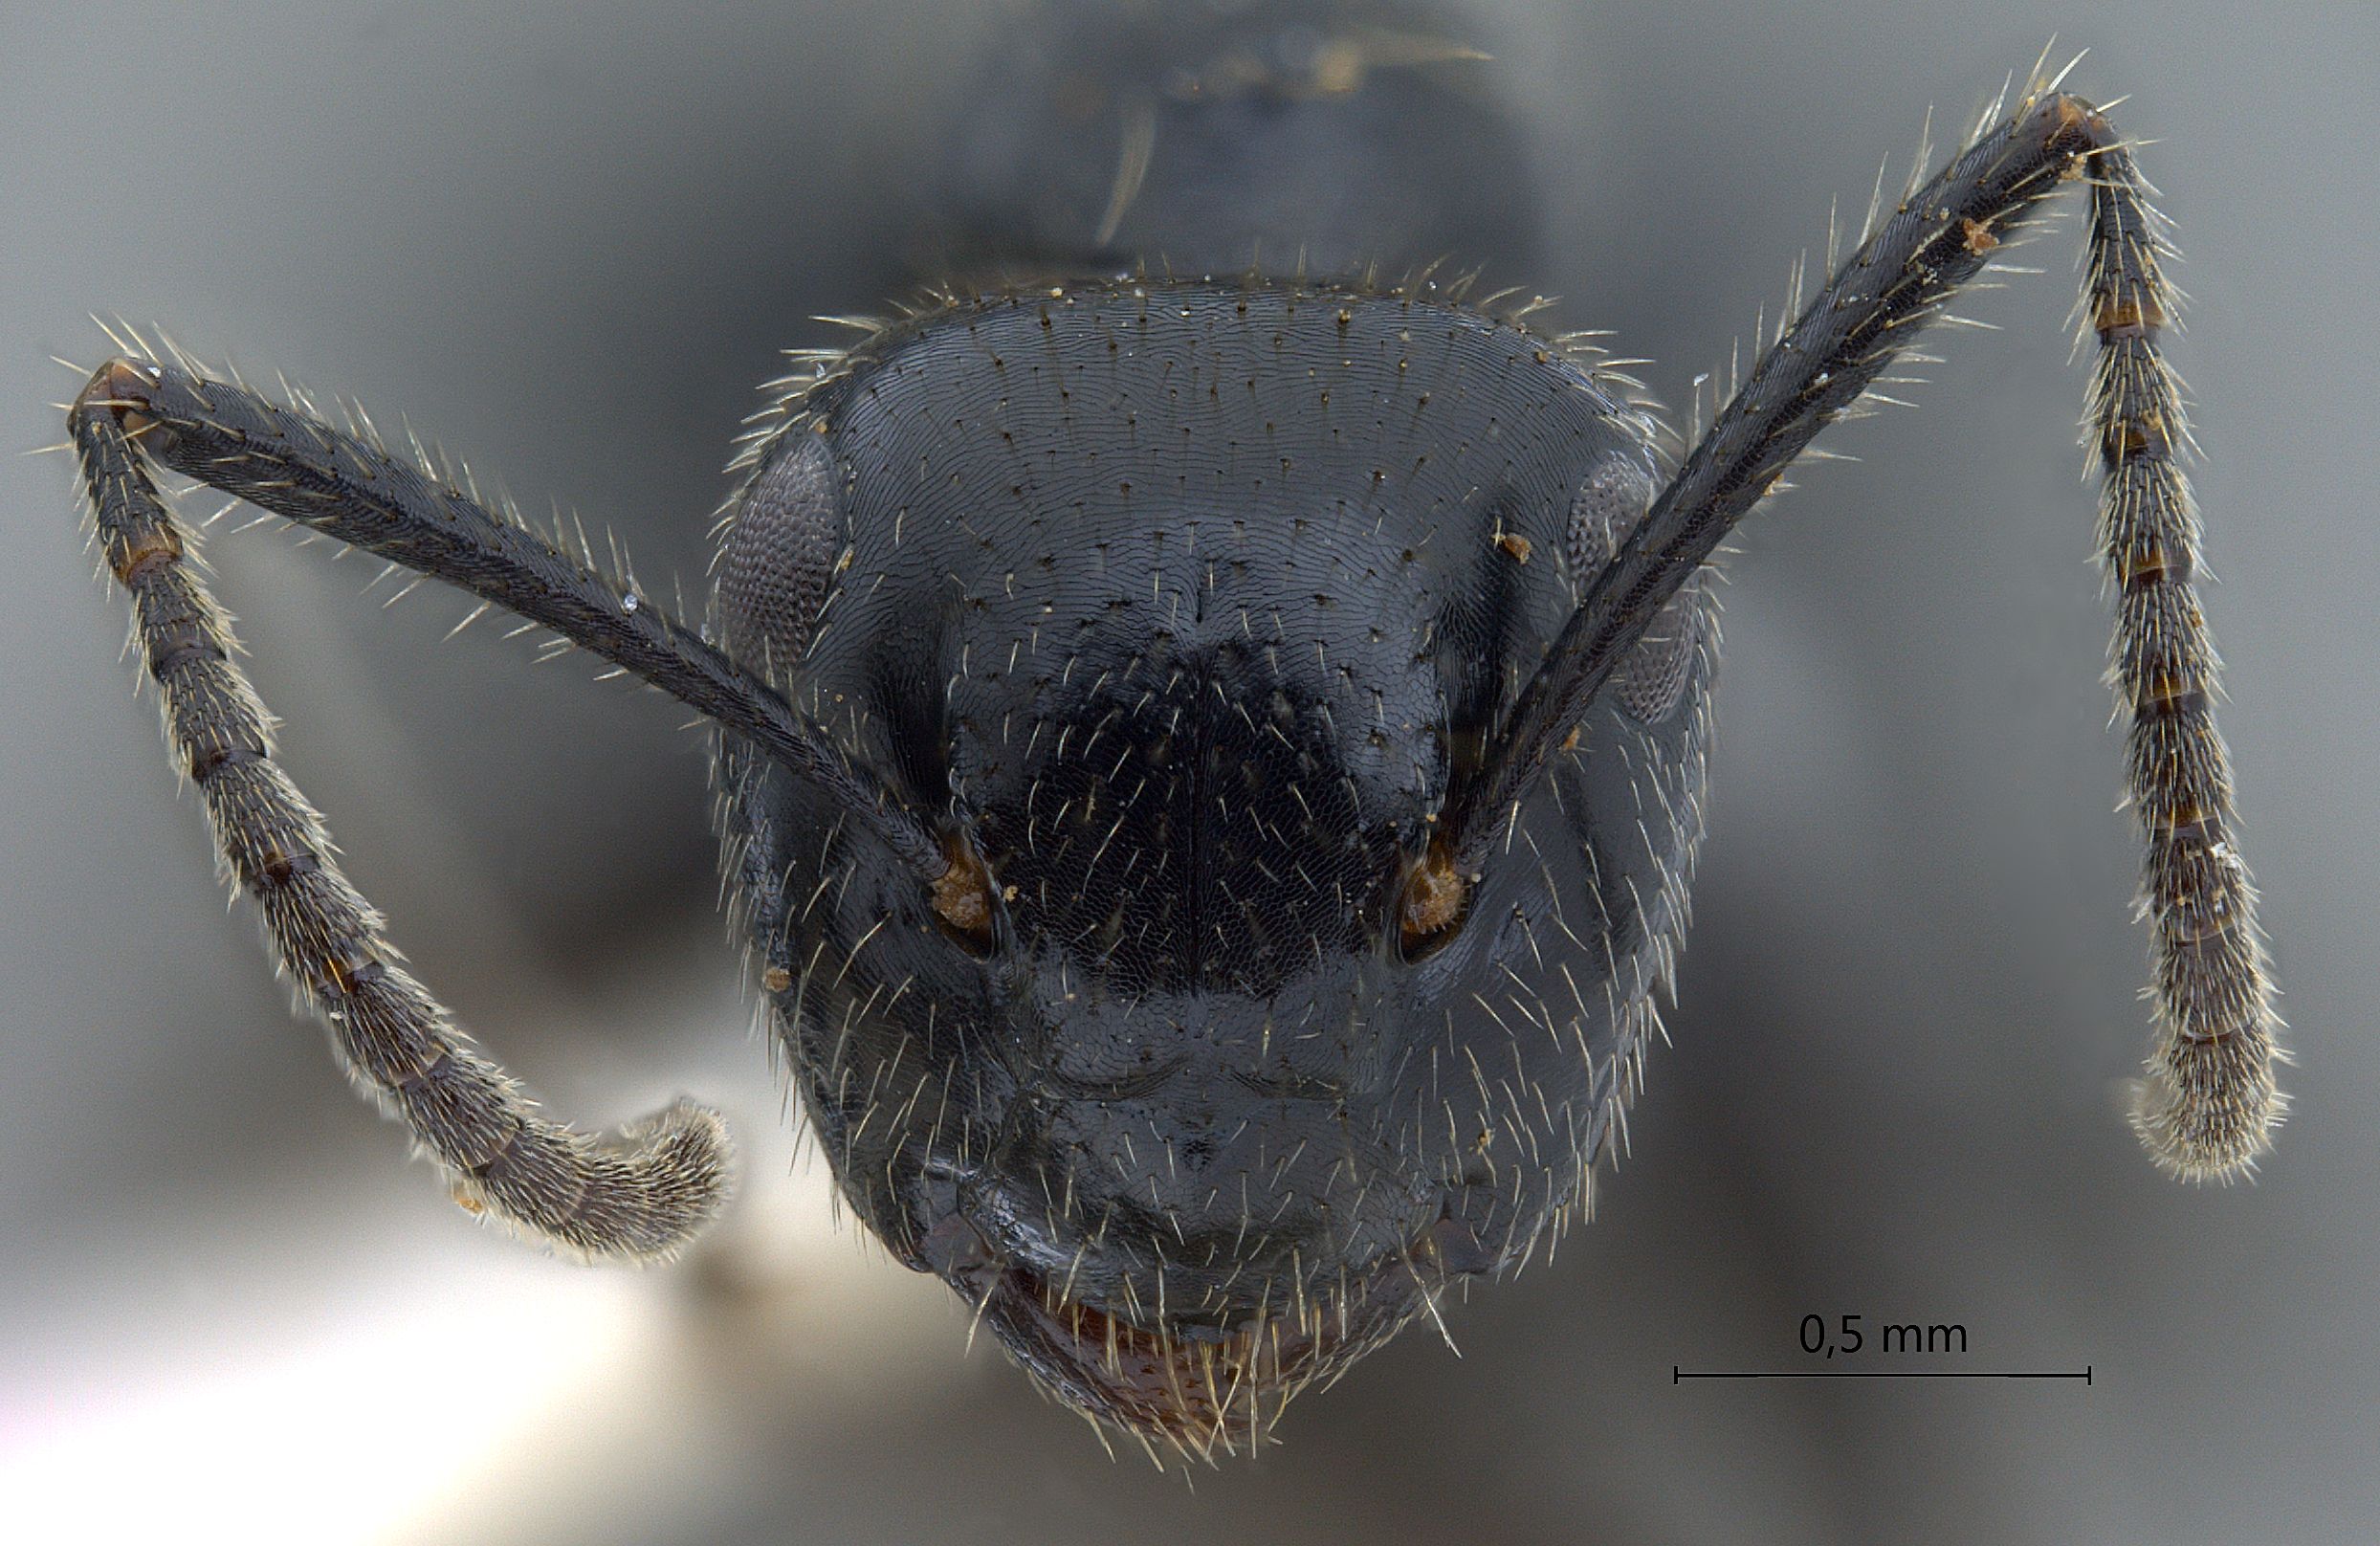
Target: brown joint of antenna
x,y
962,895
1435,893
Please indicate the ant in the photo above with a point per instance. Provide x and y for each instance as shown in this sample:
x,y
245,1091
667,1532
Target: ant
x,y
1211,740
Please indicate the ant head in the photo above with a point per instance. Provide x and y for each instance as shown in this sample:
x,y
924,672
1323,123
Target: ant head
x,y
1189,610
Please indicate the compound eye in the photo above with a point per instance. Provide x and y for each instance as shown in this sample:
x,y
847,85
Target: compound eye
x,y
1431,905
963,899
1610,502
777,557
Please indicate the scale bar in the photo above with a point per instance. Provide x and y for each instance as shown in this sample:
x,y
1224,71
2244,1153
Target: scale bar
x,y
1678,1375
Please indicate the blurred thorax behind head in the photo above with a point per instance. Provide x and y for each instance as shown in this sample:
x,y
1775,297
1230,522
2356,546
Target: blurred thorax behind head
x,y
1323,137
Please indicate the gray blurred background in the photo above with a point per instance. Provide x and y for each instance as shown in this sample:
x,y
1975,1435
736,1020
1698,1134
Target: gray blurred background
x,y
567,240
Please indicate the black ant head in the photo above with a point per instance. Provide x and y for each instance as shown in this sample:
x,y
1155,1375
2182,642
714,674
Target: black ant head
x,y
1189,612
